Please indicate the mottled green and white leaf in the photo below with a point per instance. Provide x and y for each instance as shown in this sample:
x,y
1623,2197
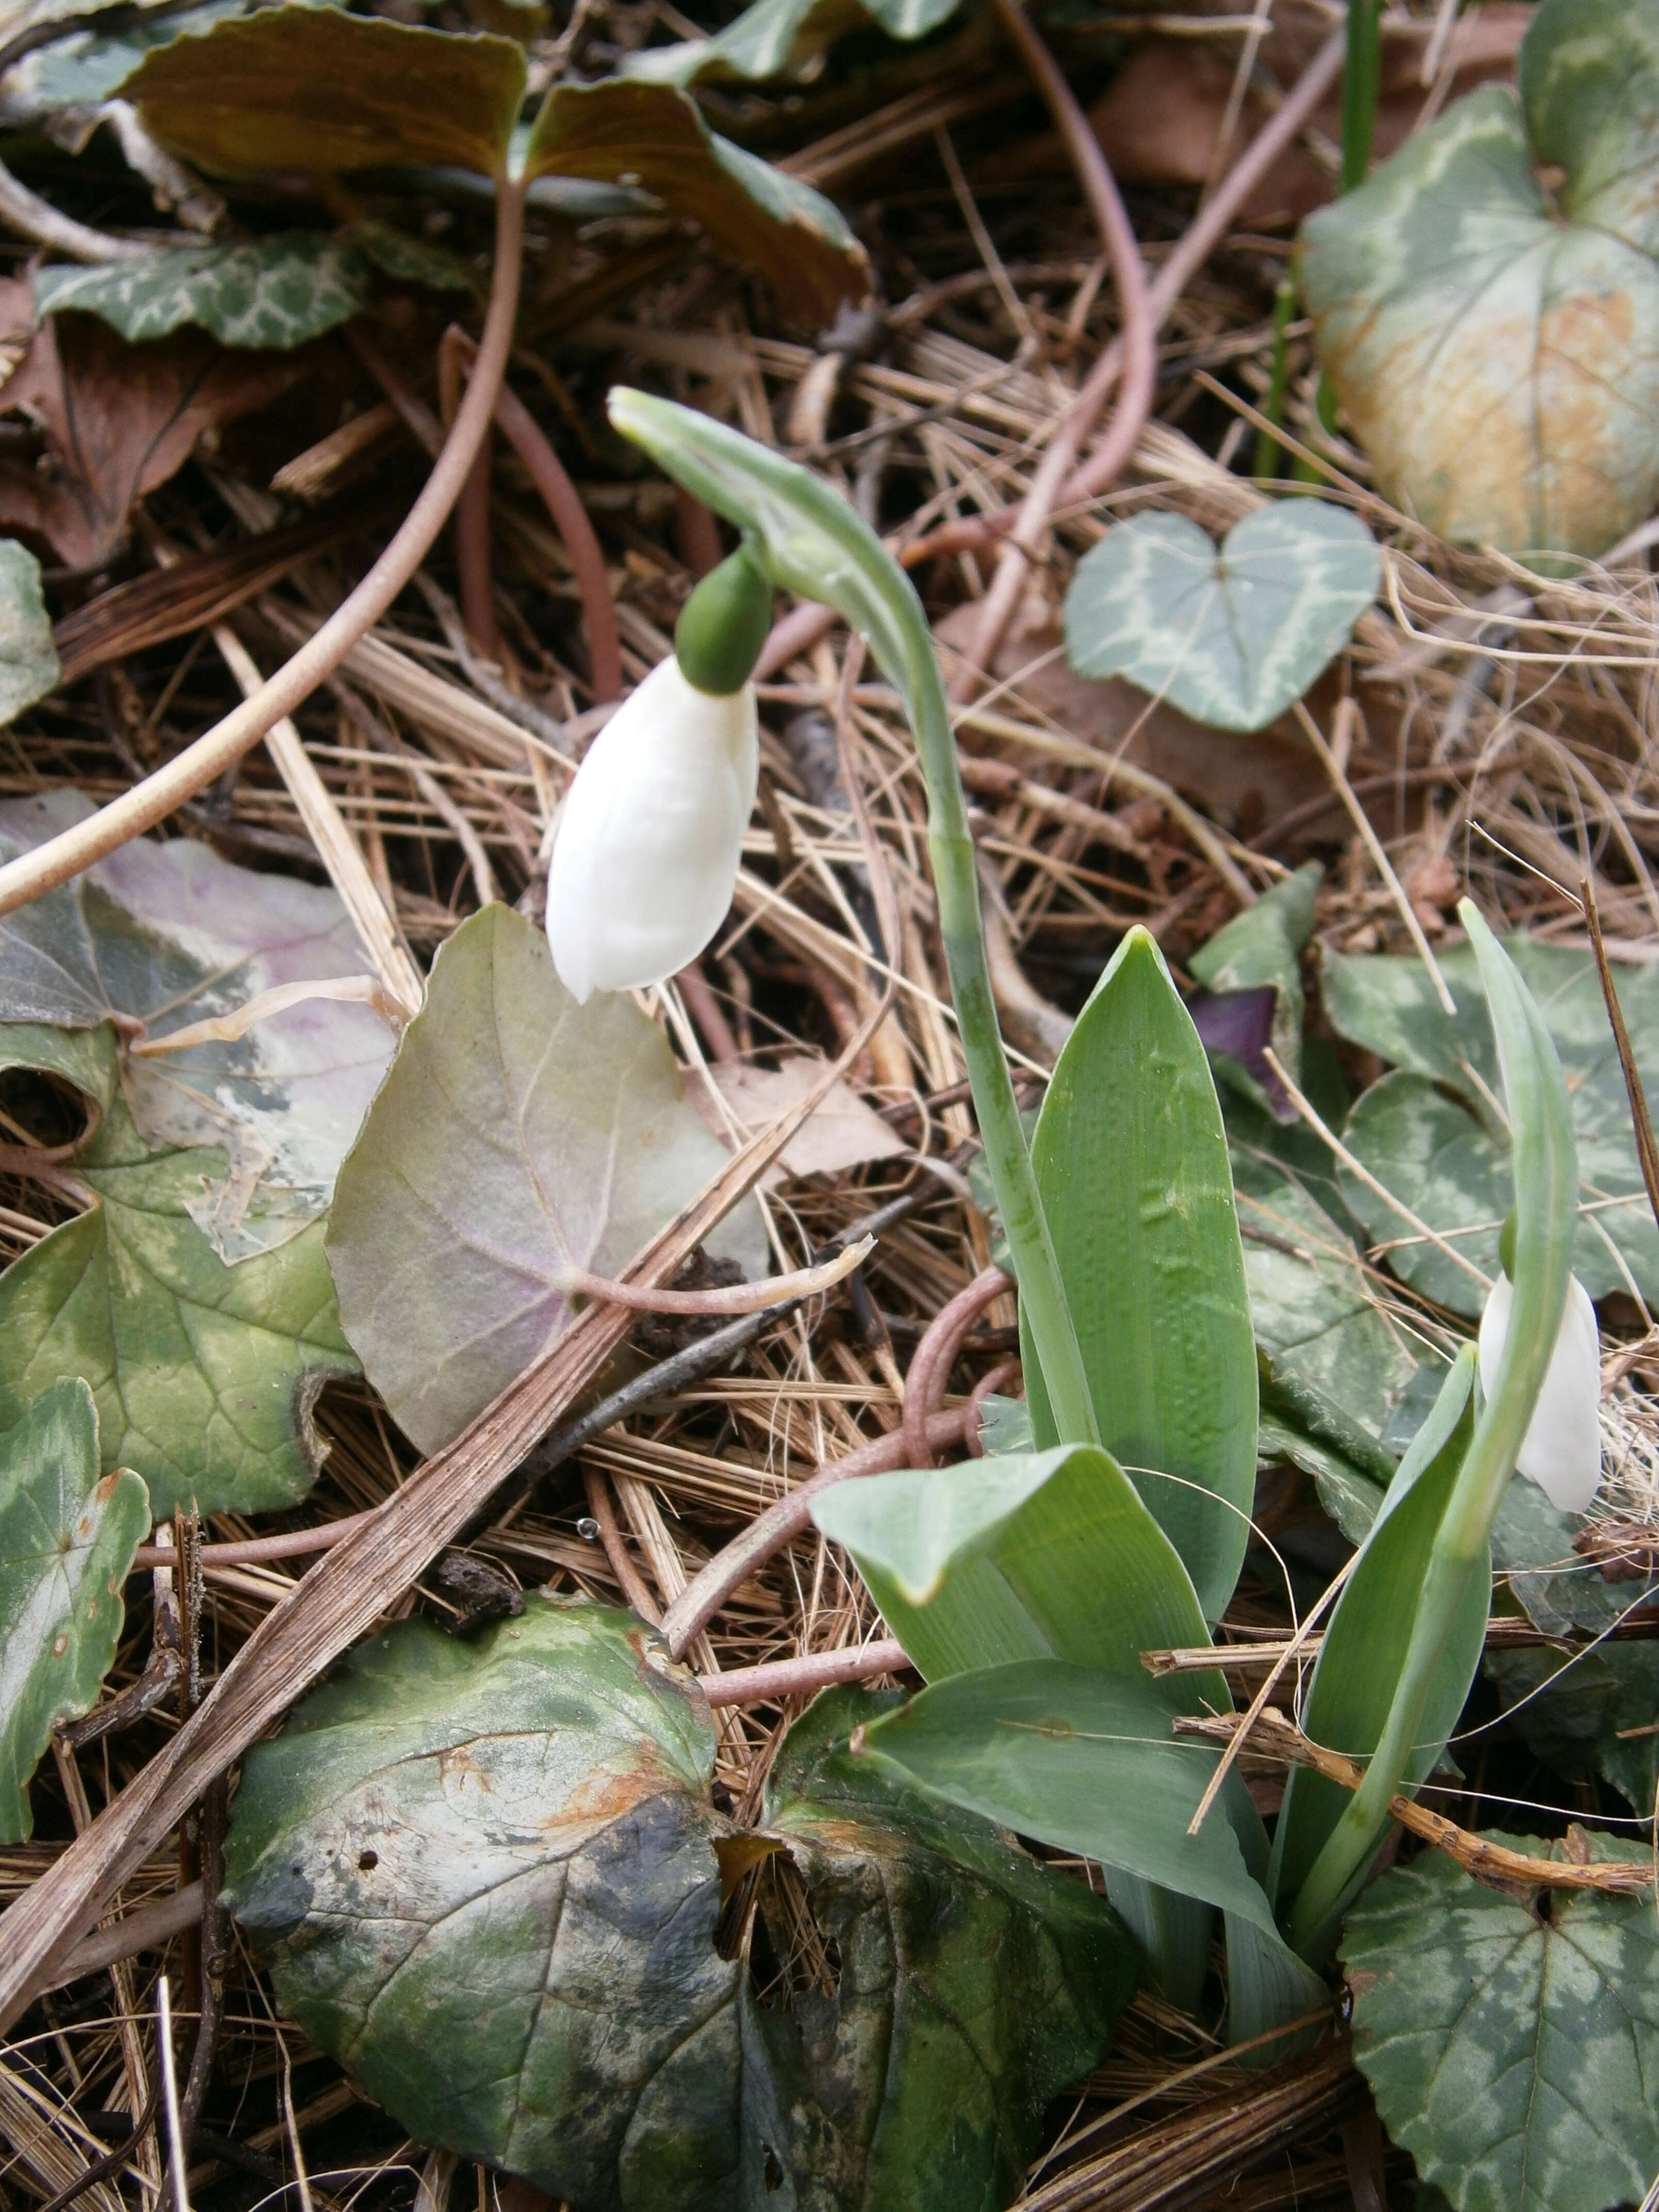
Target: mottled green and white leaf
x,y
1495,347
29,659
507,1849
1447,1156
67,1537
780,38
277,294
519,1137
1515,2055
1232,636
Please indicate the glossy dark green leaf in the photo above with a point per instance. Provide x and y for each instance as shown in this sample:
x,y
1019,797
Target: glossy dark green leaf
x,y
1347,1701
654,136
1447,1156
505,1850
205,1375
28,659
1515,2055
517,1136
1131,1158
1588,1712
67,1537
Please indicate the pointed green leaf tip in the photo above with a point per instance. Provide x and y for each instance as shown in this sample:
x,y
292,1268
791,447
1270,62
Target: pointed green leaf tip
x,y
723,625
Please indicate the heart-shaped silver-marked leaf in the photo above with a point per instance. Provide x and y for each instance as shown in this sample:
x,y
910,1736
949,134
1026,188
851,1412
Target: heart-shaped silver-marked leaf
x,y
1495,346
779,37
67,1538
1232,636
1428,1131
504,1853
29,659
518,1137
163,936
276,293
1513,2054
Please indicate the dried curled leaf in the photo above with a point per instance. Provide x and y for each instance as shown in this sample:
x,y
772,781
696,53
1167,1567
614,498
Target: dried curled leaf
x,y
506,1850
67,1538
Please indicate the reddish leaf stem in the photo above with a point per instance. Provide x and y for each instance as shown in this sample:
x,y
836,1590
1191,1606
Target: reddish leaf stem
x,y
792,1678
936,1355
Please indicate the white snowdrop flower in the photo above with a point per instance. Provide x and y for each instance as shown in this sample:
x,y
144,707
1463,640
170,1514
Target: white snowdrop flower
x,y
646,857
1562,1448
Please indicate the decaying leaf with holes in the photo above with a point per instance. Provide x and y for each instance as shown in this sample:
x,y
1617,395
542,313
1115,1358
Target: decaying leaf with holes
x,y
205,1375
67,1538
507,1850
158,937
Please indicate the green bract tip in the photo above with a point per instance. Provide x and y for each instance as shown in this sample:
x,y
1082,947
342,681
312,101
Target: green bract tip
x,y
723,625
1506,1244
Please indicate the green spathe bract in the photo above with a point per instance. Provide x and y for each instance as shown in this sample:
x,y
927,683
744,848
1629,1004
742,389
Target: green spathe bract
x,y
723,625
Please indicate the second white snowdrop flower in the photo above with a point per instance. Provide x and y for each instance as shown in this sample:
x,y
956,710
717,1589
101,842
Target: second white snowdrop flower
x,y
1561,1451
648,847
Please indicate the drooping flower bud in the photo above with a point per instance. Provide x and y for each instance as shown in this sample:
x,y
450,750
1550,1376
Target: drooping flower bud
x,y
649,843
1561,1451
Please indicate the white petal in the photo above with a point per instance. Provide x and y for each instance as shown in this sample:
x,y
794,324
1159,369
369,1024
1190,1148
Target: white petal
x,y
1562,1450
651,836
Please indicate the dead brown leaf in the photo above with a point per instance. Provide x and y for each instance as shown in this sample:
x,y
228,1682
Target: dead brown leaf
x,y
116,421
841,1133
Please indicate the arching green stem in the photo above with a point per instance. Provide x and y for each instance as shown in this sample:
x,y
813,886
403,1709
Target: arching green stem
x,y
1545,1167
814,545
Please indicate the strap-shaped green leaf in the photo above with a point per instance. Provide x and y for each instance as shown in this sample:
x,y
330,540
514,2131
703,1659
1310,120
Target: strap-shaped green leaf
x,y
1365,1643
1131,1159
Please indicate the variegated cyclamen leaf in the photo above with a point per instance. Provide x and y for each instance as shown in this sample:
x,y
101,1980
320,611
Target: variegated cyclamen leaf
x,y
1514,2053
275,294
775,37
505,1850
67,1538
1258,954
1232,636
29,659
1494,349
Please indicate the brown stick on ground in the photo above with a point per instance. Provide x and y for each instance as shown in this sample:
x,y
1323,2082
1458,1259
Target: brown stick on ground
x,y
1488,1862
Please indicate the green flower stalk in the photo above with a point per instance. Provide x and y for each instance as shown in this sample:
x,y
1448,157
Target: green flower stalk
x,y
1545,1167
812,544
